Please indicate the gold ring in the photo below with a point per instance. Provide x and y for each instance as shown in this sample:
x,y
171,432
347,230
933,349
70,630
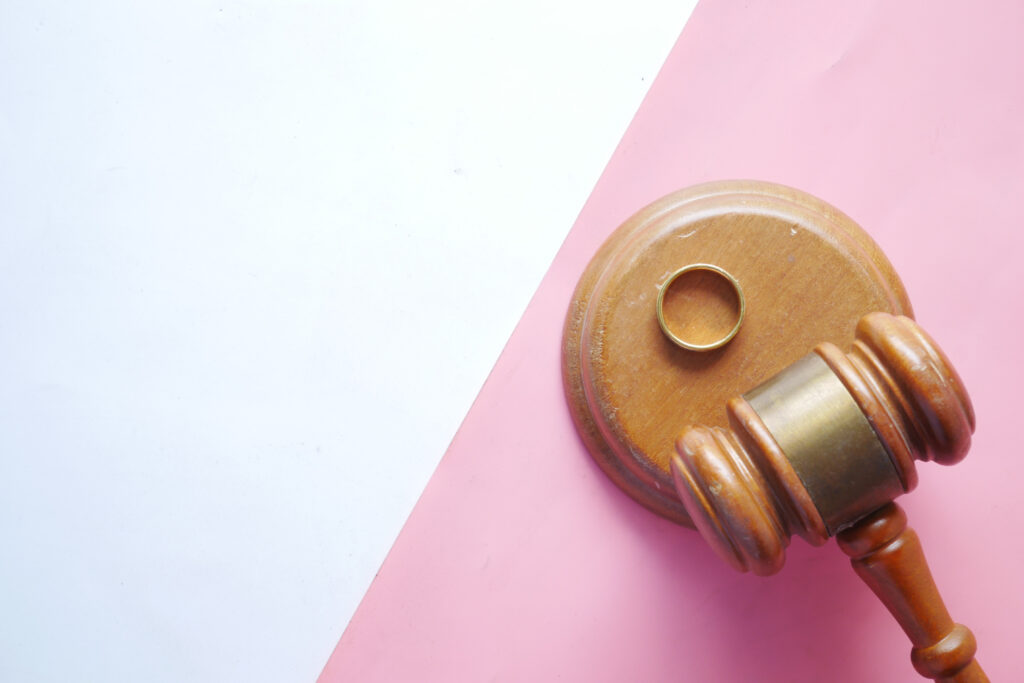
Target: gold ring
x,y
718,343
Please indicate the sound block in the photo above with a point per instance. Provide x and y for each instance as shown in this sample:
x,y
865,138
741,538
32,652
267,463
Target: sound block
x,y
807,273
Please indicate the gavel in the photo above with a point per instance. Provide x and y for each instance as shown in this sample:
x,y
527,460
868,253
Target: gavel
x,y
775,307
821,449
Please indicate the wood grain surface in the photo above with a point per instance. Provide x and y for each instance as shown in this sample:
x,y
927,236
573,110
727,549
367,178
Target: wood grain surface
x,y
808,273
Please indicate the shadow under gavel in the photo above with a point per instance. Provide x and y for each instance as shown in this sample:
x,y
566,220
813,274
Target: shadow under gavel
x,y
822,449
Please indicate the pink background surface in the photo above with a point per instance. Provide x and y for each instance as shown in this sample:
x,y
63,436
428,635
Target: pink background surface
x,y
521,562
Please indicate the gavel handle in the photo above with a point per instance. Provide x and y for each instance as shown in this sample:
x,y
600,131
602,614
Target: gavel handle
x,y
888,557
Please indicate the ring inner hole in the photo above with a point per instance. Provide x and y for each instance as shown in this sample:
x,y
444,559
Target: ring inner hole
x,y
701,307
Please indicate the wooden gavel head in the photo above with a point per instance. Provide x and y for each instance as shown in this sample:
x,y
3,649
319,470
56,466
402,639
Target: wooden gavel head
x,y
825,442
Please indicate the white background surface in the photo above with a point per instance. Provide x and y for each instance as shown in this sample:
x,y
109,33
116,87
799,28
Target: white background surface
x,y
256,259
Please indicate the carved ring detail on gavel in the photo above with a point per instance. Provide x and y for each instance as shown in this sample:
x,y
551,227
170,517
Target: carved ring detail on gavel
x,y
822,449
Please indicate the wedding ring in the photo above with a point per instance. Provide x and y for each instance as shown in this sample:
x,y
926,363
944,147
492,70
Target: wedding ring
x,y
717,343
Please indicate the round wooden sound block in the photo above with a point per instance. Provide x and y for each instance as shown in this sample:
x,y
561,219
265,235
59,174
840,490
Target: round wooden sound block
x,y
797,270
